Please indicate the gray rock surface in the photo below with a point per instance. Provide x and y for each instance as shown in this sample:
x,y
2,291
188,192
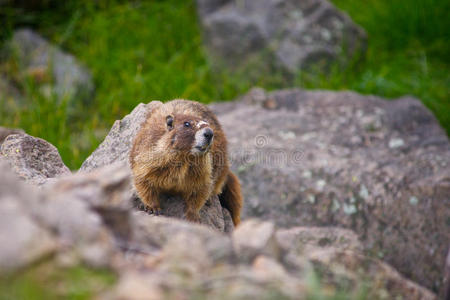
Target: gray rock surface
x,y
254,238
23,239
178,259
33,159
380,168
118,142
283,35
4,132
446,290
307,239
52,69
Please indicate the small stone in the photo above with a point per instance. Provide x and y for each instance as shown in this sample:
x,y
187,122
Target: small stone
x,y
396,143
287,135
349,209
307,174
336,205
363,192
320,184
311,199
413,200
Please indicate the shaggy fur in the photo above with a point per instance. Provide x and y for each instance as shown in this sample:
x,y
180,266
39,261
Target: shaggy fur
x,y
169,157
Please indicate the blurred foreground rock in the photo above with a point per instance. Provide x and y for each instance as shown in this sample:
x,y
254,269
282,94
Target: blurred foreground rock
x,y
278,35
30,56
82,220
380,168
23,239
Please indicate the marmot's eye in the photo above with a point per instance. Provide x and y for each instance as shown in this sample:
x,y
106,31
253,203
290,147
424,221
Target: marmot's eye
x,y
187,124
169,121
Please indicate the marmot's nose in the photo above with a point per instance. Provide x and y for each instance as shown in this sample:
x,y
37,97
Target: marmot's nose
x,y
208,134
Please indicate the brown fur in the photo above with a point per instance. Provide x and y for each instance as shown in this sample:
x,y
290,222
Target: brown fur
x,y
162,162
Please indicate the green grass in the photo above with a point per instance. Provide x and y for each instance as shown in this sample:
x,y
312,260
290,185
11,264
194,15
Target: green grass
x,y
144,50
45,281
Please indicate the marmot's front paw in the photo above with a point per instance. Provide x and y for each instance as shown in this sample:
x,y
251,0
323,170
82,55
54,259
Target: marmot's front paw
x,y
153,209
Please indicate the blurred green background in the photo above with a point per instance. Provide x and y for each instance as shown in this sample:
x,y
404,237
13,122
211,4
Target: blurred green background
x,y
139,51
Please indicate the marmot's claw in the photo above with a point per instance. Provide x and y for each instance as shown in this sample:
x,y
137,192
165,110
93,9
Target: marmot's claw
x,y
153,210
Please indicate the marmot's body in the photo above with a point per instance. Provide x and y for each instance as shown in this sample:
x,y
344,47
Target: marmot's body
x,y
182,150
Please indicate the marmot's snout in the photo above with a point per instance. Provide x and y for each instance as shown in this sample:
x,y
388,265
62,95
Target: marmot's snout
x,y
203,140
208,134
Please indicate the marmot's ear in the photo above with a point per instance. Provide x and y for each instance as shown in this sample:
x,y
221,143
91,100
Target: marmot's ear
x,y
169,122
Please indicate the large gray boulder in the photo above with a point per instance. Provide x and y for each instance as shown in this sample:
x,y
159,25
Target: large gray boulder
x,y
380,168
55,71
278,35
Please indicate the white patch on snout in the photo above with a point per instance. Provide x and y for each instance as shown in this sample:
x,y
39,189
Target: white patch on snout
x,y
199,124
201,144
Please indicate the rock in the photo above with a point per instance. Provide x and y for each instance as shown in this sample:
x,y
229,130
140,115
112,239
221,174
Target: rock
x,y
282,35
254,238
135,286
4,132
118,142
180,259
33,159
446,290
307,239
102,197
49,67
317,158
153,233
108,187
390,284
212,213
23,240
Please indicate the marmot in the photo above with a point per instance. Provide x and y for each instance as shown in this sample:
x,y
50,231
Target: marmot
x,y
182,150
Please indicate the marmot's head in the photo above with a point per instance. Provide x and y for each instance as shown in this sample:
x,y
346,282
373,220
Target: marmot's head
x,y
189,134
